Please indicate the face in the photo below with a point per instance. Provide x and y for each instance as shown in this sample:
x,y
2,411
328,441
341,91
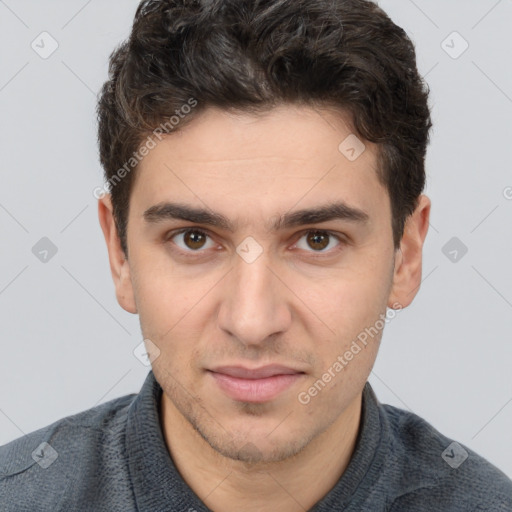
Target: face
x,y
255,304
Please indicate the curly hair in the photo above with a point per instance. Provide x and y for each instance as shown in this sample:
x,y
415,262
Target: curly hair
x,y
251,55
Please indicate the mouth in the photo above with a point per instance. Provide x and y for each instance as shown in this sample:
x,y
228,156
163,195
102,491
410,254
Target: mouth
x,y
255,385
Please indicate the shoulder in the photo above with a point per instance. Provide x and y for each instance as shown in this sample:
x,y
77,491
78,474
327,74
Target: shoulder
x,y
439,473
76,448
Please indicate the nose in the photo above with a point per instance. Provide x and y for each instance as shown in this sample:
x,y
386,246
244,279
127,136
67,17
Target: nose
x,y
255,304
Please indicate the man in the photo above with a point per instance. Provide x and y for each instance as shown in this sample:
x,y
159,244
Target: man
x,y
265,167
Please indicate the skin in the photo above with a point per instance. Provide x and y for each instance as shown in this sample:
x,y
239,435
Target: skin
x,y
286,307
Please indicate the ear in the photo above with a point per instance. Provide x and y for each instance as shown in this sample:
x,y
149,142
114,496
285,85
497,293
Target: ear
x,y
408,259
119,266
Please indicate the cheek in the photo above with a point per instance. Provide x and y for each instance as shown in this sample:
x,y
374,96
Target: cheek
x,y
166,297
349,302
345,361
354,309
367,288
171,314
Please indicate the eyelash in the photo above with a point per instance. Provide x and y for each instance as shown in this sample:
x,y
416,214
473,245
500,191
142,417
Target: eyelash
x,y
194,254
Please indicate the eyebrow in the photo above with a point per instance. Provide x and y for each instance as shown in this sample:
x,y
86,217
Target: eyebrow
x,y
332,211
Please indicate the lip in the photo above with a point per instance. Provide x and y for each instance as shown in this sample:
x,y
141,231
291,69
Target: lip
x,y
255,373
257,384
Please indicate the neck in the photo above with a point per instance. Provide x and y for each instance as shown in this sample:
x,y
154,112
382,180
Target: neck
x,y
292,485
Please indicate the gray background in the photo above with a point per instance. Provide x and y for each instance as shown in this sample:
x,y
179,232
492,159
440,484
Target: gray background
x,y
66,343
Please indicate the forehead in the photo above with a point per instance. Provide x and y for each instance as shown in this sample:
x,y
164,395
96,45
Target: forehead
x,y
249,163
297,132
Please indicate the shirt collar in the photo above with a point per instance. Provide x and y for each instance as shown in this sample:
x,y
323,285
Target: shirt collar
x,y
157,485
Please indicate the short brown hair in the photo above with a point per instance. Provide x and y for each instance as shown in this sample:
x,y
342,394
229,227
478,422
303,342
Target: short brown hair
x,y
251,55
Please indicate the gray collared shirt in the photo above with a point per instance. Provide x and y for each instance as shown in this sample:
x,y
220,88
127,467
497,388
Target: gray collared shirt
x,y
113,458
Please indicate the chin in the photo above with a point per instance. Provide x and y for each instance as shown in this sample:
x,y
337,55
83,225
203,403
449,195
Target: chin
x,y
261,447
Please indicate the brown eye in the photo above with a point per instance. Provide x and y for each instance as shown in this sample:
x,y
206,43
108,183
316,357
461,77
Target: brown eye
x,y
318,240
191,240
194,239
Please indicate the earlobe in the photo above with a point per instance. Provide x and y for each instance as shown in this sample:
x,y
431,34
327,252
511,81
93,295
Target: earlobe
x,y
119,265
408,260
